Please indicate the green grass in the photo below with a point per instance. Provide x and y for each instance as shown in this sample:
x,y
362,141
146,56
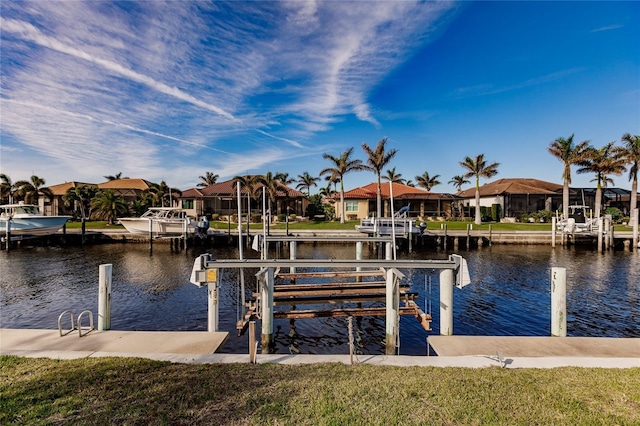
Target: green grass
x,y
350,226
135,391
93,225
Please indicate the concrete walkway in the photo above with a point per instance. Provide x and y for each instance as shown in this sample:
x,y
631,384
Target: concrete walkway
x,y
199,348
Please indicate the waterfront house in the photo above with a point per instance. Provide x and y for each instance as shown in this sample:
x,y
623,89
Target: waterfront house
x,y
221,198
518,196
55,206
515,196
362,202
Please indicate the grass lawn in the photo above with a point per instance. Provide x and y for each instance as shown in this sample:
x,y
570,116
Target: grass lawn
x,y
350,226
136,391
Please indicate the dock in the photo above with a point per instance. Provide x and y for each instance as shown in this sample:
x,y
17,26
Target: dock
x,y
199,348
49,344
536,346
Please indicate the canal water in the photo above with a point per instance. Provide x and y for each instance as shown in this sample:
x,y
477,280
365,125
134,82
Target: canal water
x,y
509,294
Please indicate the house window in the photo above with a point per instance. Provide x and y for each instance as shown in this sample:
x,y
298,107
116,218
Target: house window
x,y
351,206
187,204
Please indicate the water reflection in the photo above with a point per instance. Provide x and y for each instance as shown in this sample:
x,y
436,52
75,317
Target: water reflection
x,y
509,294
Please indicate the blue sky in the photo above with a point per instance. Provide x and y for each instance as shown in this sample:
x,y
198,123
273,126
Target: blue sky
x,y
170,90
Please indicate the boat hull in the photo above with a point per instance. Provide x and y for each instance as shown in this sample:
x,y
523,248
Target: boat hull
x,y
160,227
34,225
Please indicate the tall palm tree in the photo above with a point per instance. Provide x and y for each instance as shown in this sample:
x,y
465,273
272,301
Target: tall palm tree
x,y
109,206
79,198
30,190
209,178
7,188
570,154
631,153
250,184
306,181
603,162
427,182
341,166
377,159
272,185
478,168
392,176
409,182
458,181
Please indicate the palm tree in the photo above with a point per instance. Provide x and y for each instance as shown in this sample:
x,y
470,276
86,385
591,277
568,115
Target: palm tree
x,y
272,185
284,178
7,188
249,182
392,176
409,182
341,166
631,153
458,181
115,177
427,182
109,206
161,193
478,168
570,154
377,159
29,190
306,181
79,198
603,162
208,179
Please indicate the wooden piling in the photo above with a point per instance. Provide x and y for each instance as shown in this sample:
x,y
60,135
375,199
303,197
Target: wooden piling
x,y
446,302
392,313
104,297
635,219
558,302
266,303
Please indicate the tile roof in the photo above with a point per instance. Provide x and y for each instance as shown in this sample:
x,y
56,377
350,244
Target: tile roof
x,y
62,188
228,188
513,186
126,183
400,191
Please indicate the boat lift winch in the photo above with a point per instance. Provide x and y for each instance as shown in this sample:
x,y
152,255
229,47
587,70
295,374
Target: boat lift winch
x,y
453,271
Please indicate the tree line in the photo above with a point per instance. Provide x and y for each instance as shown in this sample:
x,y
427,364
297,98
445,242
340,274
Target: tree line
x,y
604,162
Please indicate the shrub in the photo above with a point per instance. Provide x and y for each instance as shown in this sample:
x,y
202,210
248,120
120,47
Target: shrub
x,y
256,217
615,213
215,216
282,217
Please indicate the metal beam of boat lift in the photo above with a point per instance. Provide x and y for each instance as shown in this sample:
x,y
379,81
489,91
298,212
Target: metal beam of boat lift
x,y
453,271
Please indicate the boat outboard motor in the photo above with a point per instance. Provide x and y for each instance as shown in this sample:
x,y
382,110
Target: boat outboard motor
x,y
423,226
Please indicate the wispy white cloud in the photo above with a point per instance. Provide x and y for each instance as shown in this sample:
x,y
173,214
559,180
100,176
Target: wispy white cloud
x,y
142,87
607,28
28,32
490,89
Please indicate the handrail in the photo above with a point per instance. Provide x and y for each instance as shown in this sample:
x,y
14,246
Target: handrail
x,y
80,323
73,325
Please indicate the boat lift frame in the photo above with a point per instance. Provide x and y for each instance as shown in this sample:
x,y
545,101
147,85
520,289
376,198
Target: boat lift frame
x,y
452,271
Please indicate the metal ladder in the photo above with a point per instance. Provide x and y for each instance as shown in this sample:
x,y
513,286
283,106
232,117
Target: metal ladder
x,y
76,325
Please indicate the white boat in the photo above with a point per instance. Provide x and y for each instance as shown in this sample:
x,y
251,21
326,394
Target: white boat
x,y
580,220
26,219
383,226
164,221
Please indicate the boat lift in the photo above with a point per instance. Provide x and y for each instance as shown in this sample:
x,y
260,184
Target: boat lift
x,y
452,271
